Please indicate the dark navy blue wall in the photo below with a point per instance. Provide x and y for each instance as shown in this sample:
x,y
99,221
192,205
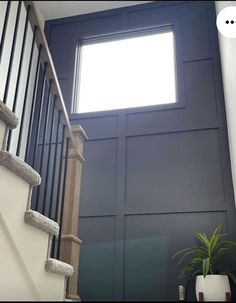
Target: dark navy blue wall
x,y
153,176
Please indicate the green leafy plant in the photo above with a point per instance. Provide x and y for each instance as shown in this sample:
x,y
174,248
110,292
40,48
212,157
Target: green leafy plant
x,y
204,259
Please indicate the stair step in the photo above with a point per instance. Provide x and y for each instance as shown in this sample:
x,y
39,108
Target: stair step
x,y
20,168
41,222
58,267
8,116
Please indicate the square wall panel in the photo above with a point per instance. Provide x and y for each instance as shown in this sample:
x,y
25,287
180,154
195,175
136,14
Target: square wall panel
x,y
174,168
150,242
96,267
98,184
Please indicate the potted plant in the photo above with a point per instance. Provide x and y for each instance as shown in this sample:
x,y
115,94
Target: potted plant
x,y
203,263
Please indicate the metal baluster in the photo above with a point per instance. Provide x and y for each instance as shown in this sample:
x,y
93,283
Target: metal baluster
x,y
63,196
12,52
33,103
4,28
60,171
49,156
44,140
53,178
21,58
40,114
26,93
54,165
19,73
59,184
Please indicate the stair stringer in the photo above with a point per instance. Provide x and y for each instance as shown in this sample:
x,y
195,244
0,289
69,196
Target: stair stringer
x,y
31,243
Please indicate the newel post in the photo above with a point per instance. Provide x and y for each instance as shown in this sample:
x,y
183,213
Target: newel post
x,y
70,243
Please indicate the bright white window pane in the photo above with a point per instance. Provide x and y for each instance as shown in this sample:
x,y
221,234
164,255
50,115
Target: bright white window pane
x,y
126,73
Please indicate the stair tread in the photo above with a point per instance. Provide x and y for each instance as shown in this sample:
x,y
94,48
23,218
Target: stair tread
x,y
8,116
59,267
20,168
42,222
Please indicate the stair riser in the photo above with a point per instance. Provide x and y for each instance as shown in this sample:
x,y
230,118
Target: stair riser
x,y
3,130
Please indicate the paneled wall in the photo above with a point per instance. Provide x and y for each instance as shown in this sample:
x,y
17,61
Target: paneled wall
x,y
153,176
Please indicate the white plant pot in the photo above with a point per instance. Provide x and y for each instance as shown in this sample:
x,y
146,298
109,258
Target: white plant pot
x,y
213,287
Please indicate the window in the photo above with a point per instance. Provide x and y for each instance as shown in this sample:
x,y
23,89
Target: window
x,y
126,73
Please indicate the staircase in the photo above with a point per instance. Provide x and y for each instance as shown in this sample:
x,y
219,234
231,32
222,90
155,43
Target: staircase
x,y
27,271
37,145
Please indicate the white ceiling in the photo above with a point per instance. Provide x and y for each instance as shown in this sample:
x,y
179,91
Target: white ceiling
x,y
60,9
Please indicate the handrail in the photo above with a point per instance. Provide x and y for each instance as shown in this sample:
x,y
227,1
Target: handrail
x,y
51,72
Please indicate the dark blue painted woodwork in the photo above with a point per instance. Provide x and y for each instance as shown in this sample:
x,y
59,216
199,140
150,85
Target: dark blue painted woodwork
x,y
153,176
